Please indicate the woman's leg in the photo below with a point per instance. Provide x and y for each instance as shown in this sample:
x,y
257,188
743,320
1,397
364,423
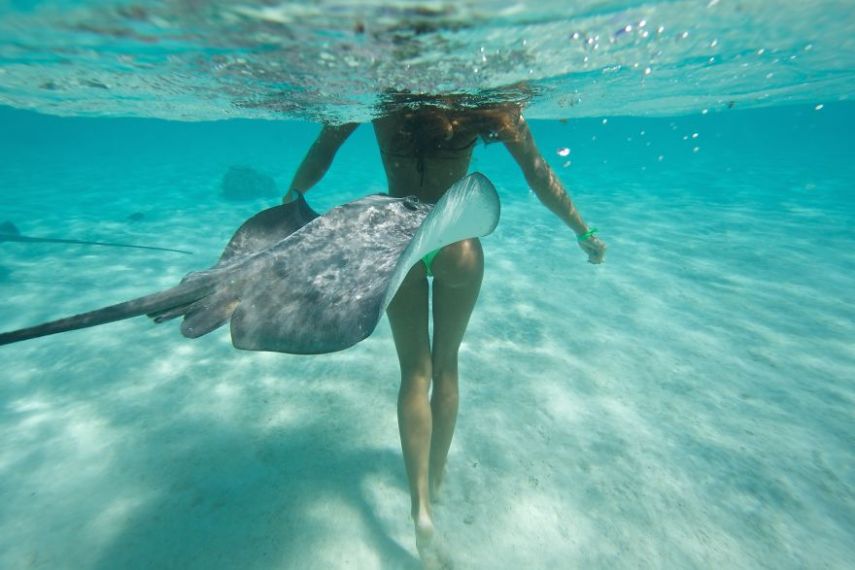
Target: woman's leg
x,y
408,315
458,270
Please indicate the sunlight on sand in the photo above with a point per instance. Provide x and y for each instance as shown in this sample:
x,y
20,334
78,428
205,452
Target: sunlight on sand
x,y
686,405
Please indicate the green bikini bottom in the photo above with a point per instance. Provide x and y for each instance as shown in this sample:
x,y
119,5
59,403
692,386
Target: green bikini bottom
x,y
428,261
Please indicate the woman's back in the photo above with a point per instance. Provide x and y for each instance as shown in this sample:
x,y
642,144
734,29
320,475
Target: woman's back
x,y
426,150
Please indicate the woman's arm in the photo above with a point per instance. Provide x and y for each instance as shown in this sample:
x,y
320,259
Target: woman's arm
x,y
547,187
319,157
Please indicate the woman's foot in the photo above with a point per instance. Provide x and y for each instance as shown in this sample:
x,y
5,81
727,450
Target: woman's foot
x,y
433,557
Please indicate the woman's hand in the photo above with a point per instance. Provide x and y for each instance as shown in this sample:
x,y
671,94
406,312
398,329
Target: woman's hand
x,y
595,248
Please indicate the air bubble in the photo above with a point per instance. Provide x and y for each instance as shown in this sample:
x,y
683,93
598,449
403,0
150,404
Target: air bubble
x,y
605,121
647,71
819,107
696,149
563,151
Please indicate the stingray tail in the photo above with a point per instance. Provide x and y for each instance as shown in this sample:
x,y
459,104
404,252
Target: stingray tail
x,y
169,301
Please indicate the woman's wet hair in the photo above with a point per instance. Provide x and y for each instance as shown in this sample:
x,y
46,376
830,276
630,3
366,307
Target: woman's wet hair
x,y
518,94
427,118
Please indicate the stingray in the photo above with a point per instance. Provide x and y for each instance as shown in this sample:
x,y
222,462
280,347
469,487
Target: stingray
x,y
9,232
293,281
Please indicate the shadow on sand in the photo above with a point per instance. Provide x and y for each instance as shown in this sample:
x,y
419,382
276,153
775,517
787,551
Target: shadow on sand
x,y
227,499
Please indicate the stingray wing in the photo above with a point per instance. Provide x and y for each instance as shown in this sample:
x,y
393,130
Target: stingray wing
x,y
325,288
237,266
266,228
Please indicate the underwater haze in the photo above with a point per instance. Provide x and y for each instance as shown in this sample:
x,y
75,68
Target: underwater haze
x,y
686,405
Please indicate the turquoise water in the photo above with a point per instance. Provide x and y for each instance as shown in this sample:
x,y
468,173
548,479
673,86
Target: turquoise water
x,y
688,404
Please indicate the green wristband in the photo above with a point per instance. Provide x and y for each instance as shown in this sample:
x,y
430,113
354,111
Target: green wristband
x,y
588,235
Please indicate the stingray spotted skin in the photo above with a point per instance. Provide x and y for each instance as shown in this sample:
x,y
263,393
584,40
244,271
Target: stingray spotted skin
x,y
292,281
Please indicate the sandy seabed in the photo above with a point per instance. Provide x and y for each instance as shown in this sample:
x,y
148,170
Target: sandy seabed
x,y
686,405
